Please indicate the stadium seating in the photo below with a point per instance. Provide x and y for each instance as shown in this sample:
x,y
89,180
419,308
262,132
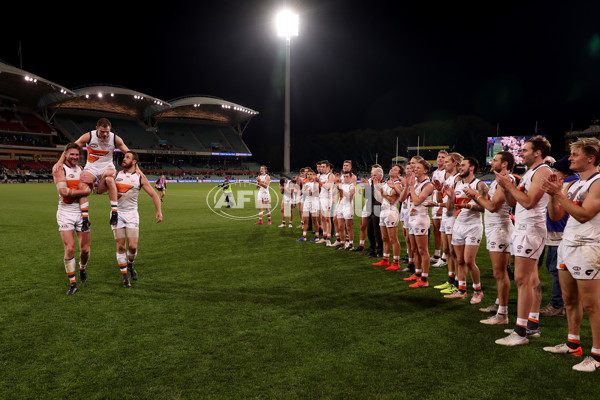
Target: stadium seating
x,y
180,136
133,132
194,137
33,124
18,121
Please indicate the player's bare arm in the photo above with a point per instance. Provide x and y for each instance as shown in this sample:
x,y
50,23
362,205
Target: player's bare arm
x,y
561,204
532,197
493,204
80,142
61,185
482,191
588,209
155,199
119,144
449,190
351,192
420,198
554,187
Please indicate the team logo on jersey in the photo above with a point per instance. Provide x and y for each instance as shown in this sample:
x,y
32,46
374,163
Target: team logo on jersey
x,y
242,202
122,188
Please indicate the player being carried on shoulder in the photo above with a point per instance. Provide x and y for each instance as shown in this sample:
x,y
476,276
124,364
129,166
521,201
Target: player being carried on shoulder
x,y
101,144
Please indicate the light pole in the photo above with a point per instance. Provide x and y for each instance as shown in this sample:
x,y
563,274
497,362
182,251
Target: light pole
x,y
287,26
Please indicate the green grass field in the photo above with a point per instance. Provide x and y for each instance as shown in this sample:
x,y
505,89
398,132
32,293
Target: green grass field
x,y
225,309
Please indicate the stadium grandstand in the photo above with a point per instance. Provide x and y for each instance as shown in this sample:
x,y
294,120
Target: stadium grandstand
x,y
188,138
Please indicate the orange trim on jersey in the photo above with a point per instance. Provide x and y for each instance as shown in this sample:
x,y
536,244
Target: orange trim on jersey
x,y
94,155
122,188
462,200
71,184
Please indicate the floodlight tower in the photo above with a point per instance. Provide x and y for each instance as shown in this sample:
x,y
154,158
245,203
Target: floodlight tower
x,y
287,26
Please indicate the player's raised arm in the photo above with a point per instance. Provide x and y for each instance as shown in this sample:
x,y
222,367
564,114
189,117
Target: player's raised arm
x,y
119,144
80,142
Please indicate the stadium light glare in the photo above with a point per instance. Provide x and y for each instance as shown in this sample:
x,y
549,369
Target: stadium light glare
x,y
287,23
100,95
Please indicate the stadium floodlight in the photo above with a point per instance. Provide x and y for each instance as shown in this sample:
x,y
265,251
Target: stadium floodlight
x,y
287,26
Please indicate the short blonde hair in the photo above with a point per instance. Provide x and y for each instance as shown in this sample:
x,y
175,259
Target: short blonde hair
x,y
456,157
590,146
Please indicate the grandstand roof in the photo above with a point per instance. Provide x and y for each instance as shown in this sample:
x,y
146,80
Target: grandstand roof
x,y
22,87
113,99
206,107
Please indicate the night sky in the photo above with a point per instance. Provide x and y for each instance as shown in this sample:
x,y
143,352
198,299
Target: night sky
x,y
356,64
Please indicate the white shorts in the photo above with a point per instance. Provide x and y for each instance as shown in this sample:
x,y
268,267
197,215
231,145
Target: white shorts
x,y
434,212
418,225
404,214
580,261
389,218
345,211
498,237
527,246
68,221
447,224
365,213
98,169
467,235
127,219
339,211
264,197
311,206
287,200
325,206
